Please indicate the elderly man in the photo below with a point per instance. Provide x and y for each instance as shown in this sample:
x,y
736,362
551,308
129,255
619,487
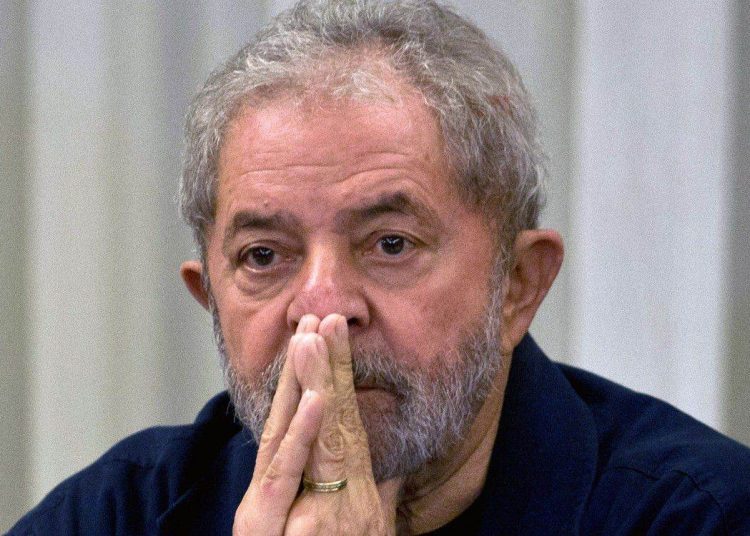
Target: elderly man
x,y
363,183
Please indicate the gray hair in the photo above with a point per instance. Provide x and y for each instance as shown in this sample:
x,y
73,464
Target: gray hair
x,y
358,47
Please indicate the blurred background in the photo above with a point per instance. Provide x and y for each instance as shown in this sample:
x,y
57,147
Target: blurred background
x,y
645,112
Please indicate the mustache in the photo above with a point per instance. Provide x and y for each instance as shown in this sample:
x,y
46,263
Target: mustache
x,y
373,368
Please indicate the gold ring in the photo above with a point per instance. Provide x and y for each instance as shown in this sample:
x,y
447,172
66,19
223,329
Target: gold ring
x,y
324,487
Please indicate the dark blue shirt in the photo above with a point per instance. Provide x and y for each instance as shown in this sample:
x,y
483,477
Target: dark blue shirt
x,y
575,454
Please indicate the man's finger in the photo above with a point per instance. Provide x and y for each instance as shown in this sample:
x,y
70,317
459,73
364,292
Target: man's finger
x,y
335,332
265,506
284,401
314,372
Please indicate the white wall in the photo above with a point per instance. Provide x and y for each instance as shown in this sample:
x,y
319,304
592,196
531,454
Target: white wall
x,y
650,210
644,108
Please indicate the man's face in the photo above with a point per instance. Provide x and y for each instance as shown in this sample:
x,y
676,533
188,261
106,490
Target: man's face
x,y
348,208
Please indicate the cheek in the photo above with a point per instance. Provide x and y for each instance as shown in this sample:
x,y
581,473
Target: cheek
x,y
253,336
254,332
426,323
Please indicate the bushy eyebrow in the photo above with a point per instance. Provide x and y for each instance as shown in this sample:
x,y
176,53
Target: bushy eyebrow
x,y
390,203
286,222
249,219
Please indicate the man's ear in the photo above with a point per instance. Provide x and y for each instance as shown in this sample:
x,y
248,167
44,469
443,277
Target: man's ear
x,y
191,272
537,256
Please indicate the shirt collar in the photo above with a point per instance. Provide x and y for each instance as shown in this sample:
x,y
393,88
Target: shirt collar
x,y
544,460
208,503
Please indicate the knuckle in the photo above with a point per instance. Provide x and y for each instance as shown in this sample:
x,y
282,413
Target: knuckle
x,y
331,441
270,484
272,434
344,386
268,437
351,423
348,418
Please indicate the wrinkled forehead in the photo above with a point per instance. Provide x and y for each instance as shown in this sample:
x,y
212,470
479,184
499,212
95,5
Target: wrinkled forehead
x,y
344,115
330,138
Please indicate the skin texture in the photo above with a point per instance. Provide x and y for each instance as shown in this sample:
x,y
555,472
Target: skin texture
x,y
338,222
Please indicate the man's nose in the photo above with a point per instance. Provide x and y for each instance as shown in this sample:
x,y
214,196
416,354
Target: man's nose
x,y
328,283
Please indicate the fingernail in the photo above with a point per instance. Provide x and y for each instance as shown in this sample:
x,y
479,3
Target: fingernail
x,y
304,323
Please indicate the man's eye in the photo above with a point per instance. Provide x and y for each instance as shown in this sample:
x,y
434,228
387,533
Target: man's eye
x,y
260,257
392,245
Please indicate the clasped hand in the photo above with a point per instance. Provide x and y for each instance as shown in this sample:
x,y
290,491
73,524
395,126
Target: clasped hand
x,y
314,430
